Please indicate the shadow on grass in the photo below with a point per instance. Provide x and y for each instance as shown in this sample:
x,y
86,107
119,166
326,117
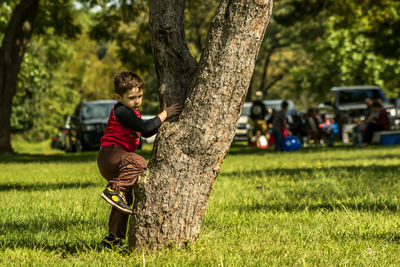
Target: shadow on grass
x,y
44,187
389,236
367,157
376,176
88,156
296,206
29,234
372,170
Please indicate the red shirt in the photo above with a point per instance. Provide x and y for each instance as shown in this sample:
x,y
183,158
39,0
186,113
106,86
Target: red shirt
x,y
119,135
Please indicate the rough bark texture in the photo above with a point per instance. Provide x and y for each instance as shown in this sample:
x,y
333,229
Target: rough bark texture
x,y
15,42
171,196
175,65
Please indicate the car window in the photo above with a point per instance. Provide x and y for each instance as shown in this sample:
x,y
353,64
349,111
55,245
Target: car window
x,y
358,96
98,111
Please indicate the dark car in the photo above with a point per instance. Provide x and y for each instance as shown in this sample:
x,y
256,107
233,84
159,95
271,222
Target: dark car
x,y
88,124
349,105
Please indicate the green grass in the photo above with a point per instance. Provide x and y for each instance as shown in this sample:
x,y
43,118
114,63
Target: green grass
x,y
314,207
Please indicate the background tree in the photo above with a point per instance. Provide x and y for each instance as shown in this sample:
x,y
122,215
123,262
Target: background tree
x,y
359,46
311,46
282,49
12,50
171,196
52,16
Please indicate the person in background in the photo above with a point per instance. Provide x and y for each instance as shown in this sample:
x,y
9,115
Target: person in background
x,y
379,122
311,126
280,124
330,129
361,125
258,114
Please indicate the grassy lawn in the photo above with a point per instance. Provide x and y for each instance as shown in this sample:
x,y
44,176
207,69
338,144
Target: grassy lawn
x,y
337,206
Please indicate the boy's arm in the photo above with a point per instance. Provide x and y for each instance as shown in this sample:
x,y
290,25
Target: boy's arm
x,y
148,128
166,113
129,119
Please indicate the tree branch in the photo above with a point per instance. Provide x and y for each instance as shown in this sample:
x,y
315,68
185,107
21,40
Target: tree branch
x,y
174,64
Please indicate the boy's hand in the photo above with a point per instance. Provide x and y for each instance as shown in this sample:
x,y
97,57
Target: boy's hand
x,y
173,110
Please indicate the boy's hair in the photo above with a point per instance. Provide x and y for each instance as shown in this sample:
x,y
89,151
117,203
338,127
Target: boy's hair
x,y
125,81
284,104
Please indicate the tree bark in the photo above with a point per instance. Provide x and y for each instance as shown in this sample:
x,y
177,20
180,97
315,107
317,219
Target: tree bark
x,y
14,45
174,64
171,196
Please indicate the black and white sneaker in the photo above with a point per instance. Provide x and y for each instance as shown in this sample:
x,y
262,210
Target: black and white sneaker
x,y
117,199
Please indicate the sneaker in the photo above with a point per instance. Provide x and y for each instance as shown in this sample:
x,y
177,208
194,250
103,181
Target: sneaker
x,y
117,199
111,241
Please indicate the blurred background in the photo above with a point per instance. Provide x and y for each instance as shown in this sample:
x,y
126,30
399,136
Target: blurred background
x,y
310,46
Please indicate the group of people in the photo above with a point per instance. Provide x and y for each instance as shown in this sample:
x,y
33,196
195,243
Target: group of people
x,y
317,128
273,130
312,127
308,128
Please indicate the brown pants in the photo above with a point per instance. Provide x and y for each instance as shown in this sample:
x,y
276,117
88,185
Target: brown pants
x,y
121,169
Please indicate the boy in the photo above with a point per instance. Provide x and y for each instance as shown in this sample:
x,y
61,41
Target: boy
x,y
117,160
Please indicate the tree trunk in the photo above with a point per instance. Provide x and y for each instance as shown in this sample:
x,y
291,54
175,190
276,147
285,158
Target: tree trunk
x,y
171,196
265,70
174,64
15,42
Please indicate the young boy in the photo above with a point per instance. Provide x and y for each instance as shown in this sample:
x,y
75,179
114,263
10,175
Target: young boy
x,y
117,160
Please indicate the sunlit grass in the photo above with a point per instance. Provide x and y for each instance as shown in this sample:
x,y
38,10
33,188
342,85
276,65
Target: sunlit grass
x,y
336,206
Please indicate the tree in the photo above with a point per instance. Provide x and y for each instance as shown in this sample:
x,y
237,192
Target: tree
x,y
171,196
128,26
53,18
359,45
12,51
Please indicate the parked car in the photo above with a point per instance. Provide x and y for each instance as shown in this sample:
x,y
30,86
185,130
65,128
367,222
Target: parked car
x,y
149,140
349,104
244,129
88,124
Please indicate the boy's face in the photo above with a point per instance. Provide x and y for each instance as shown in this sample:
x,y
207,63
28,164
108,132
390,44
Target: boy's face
x,y
131,98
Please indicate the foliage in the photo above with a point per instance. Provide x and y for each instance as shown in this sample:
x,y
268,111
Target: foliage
x,y
36,106
359,46
58,73
30,91
130,30
309,46
313,207
5,13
